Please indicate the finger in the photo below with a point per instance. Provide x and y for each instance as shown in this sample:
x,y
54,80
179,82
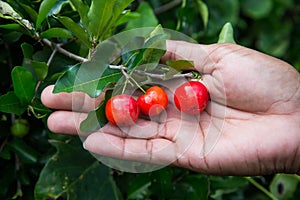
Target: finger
x,y
166,125
145,129
199,54
205,61
76,101
66,122
156,151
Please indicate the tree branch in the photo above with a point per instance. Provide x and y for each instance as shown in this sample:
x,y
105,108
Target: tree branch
x,y
158,76
59,48
167,6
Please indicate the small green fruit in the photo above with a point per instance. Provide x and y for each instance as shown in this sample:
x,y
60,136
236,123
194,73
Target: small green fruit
x,y
20,128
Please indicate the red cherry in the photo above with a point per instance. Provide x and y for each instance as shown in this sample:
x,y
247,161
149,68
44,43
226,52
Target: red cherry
x,y
191,97
153,102
122,110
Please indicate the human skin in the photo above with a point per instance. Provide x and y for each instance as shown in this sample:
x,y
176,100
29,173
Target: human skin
x,y
250,127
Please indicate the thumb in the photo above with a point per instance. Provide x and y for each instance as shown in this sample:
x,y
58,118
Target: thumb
x,y
181,50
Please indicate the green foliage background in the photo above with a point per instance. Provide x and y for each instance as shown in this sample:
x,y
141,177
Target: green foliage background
x,y
43,165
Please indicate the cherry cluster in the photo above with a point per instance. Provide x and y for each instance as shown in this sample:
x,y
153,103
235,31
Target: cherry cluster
x,y
123,110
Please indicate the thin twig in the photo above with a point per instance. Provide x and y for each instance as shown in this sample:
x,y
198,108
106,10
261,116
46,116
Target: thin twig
x,y
167,6
3,144
157,76
163,76
261,188
52,56
124,72
64,52
128,78
120,67
19,192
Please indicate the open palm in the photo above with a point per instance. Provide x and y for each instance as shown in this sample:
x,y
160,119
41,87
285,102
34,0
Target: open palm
x,y
250,127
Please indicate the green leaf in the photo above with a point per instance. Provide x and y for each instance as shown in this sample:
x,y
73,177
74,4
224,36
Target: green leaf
x,y
226,35
180,65
12,37
7,12
96,119
82,10
76,29
134,45
148,54
44,9
93,76
30,11
19,29
134,60
227,182
9,103
89,77
24,84
257,9
99,16
27,50
221,14
73,172
267,39
40,68
283,186
157,36
26,153
151,58
119,12
66,81
5,153
119,6
162,182
138,186
105,53
147,19
126,17
155,48
58,7
15,27
56,33
103,15
177,66
192,187
203,10
38,109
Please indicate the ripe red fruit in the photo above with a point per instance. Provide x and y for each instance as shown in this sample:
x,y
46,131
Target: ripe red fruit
x,y
122,110
191,97
153,102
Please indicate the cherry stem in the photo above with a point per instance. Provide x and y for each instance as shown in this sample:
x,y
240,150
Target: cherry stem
x,y
128,78
138,85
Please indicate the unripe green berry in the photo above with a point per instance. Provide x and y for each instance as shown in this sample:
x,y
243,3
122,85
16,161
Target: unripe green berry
x,y
20,128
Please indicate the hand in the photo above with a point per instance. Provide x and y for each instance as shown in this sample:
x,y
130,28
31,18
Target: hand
x,y
251,127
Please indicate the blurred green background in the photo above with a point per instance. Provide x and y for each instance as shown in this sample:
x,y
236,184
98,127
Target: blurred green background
x,y
42,165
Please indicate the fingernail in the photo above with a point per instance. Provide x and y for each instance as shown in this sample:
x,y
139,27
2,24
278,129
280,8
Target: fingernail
x,y
83,144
